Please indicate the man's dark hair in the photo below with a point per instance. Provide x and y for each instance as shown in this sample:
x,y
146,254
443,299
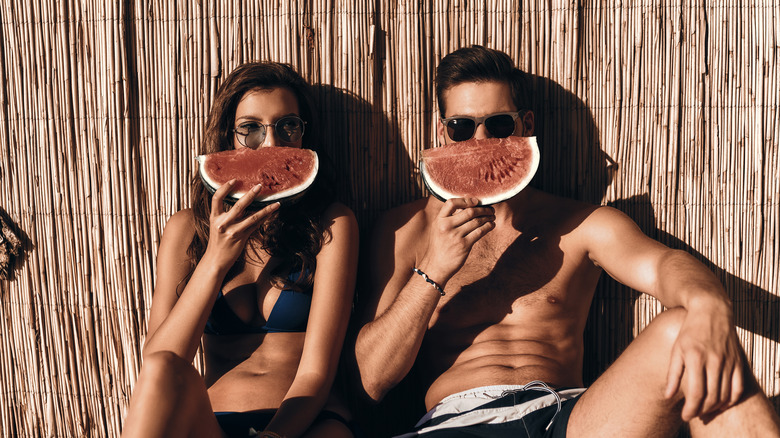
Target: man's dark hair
x,y
480,64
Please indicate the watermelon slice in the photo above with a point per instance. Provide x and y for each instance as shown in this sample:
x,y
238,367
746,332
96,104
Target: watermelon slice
x,y
284,172
491,170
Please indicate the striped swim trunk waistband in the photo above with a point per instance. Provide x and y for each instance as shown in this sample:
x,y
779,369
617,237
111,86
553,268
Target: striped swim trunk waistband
x,y
531,410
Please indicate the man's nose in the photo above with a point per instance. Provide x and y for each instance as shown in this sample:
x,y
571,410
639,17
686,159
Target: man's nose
x,y
481,132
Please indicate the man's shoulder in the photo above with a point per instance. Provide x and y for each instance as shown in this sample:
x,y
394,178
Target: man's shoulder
x,y
547,206
578,218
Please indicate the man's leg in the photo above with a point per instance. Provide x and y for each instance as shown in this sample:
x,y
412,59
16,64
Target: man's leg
x,y
754,415
628,399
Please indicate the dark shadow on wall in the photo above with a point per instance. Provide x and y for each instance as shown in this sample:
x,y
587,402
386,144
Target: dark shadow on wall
x,y
572,163
15,248
373,174
373,169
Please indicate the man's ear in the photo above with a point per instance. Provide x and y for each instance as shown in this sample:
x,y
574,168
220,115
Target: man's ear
x,y
528,124
441,135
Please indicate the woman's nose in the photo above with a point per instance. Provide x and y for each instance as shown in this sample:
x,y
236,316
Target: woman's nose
x,y
271,138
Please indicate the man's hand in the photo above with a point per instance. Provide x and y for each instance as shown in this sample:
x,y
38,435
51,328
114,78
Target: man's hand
x,y
459,224
706,363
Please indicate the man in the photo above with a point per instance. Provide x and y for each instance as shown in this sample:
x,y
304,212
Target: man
x,y
501,350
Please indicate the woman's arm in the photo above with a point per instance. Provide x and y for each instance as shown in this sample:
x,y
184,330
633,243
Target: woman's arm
x,y
173,267
177,319
334,286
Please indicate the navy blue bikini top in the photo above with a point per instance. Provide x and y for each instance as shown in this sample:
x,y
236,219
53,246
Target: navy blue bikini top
x,y
290,314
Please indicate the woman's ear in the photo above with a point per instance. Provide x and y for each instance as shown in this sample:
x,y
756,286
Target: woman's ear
x,y
527,120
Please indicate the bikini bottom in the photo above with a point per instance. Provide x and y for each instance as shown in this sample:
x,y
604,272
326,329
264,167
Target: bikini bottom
x,y
250,424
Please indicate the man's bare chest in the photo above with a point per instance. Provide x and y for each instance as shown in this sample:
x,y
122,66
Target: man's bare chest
x,y
512,274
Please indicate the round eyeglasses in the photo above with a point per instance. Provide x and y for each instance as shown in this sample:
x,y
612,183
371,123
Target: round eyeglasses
x,y
499,125
289,129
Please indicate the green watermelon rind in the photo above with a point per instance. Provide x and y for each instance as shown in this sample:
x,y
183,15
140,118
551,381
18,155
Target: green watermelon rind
x,y
443,195
283,197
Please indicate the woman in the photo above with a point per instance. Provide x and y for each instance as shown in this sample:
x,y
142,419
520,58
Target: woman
x,y
268,291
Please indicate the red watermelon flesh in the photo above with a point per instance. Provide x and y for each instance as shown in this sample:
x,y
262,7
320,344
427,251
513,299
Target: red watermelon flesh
x,y
283,172
491,170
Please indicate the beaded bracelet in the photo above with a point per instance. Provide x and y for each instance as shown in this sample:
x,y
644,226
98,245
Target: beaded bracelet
x,y
425,277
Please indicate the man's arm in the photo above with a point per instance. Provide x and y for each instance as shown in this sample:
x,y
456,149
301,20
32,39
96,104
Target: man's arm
x,y
401,302
706,361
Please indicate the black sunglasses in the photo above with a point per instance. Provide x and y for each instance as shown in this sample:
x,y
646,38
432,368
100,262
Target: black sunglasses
x,y
499,125
288,128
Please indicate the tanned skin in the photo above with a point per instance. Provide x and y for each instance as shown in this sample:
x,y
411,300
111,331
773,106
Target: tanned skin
x,y
519,279
289,373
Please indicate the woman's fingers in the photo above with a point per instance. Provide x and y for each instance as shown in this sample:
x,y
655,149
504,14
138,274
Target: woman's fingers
x,y
237,210
218,199
245,201
251,222
234,219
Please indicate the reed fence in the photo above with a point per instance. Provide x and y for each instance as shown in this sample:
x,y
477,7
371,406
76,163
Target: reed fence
x,y
667,110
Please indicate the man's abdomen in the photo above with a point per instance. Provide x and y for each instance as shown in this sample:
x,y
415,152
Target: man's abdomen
x,y
492,358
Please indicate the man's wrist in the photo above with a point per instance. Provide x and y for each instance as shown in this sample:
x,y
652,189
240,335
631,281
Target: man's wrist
x,y
439,288
712,306
434,272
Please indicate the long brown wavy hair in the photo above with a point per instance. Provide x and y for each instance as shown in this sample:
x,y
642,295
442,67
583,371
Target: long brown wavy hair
x,y
294,233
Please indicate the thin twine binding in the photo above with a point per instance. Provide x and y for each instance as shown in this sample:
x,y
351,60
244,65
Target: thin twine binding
x,y
427,279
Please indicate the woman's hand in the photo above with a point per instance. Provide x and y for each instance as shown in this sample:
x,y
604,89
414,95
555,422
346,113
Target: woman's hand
x,y
230,230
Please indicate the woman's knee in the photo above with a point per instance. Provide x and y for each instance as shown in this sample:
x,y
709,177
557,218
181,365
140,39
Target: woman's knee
x,y
167,369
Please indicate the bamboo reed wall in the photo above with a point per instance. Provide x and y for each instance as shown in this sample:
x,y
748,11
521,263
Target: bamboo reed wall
x,y
667,110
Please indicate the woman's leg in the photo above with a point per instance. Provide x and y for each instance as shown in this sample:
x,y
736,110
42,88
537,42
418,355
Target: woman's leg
x,y
328,429
170,400
329,424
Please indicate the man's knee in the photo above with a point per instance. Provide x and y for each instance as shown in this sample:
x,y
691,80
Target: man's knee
x,y
665,327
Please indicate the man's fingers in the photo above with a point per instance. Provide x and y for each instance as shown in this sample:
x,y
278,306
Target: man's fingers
x,y
737,384
454,204
463,216
676,367
694,391
483,227
725,385
479,214
474,222
712,398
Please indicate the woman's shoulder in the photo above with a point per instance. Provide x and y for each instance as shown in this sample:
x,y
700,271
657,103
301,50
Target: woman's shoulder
x,y
182,219
337,211
180,227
